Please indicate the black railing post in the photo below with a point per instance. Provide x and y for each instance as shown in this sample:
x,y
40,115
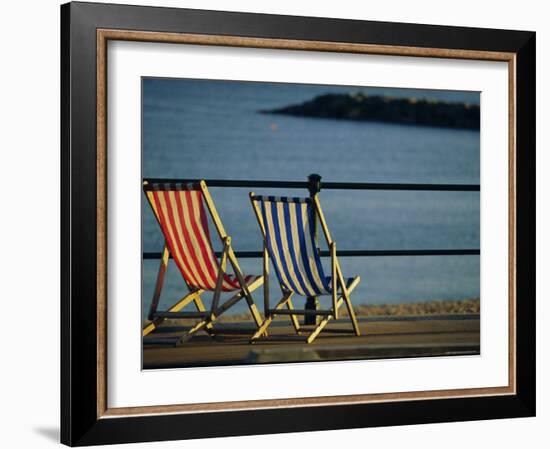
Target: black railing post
x,y
314,187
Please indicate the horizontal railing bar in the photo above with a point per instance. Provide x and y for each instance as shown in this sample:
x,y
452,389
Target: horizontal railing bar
x,y
244,183
401,186
404,252
356,253
300,312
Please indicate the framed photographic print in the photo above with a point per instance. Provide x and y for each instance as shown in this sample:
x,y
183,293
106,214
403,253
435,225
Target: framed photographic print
x,y
279,224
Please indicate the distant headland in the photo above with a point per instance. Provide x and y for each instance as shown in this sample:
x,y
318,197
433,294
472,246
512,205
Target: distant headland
x,y
362,107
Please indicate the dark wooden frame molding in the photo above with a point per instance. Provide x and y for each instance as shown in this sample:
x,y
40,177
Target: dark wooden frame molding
x,y
86,29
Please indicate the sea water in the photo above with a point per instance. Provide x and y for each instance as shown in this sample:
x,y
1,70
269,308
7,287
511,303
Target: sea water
x,y
213,129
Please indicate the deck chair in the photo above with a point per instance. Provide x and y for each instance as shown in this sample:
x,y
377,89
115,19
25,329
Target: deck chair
x,y
179,209
288,229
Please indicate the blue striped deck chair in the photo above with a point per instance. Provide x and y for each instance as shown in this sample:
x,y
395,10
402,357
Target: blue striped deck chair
x,y
288,229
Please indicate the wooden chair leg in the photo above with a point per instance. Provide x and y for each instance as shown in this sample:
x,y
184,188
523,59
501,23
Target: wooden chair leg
x,y
246,291
158,285
293,318
201,308
334,279
228,304
160,279
151,327
345,293
318,329
174,308
353,317
254,310
184,338
267,322
208,323
262,329
219,280
235,299
343,299
248,297
322,324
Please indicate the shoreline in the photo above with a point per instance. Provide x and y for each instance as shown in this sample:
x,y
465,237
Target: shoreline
x,y
435,308
421,308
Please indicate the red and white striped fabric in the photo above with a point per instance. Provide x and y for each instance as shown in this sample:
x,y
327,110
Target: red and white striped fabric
x,y
180,212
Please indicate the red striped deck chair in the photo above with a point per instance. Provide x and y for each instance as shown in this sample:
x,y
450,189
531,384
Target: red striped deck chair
x,y
180,212
288,230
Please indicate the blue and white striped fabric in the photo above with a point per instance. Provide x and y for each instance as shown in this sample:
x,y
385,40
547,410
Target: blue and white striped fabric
x,y
289,228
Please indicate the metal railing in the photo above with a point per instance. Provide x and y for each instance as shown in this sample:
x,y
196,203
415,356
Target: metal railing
x,y
314,185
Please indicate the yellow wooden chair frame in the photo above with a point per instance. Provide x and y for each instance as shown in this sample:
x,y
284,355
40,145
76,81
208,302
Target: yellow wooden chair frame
x,y
207,318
